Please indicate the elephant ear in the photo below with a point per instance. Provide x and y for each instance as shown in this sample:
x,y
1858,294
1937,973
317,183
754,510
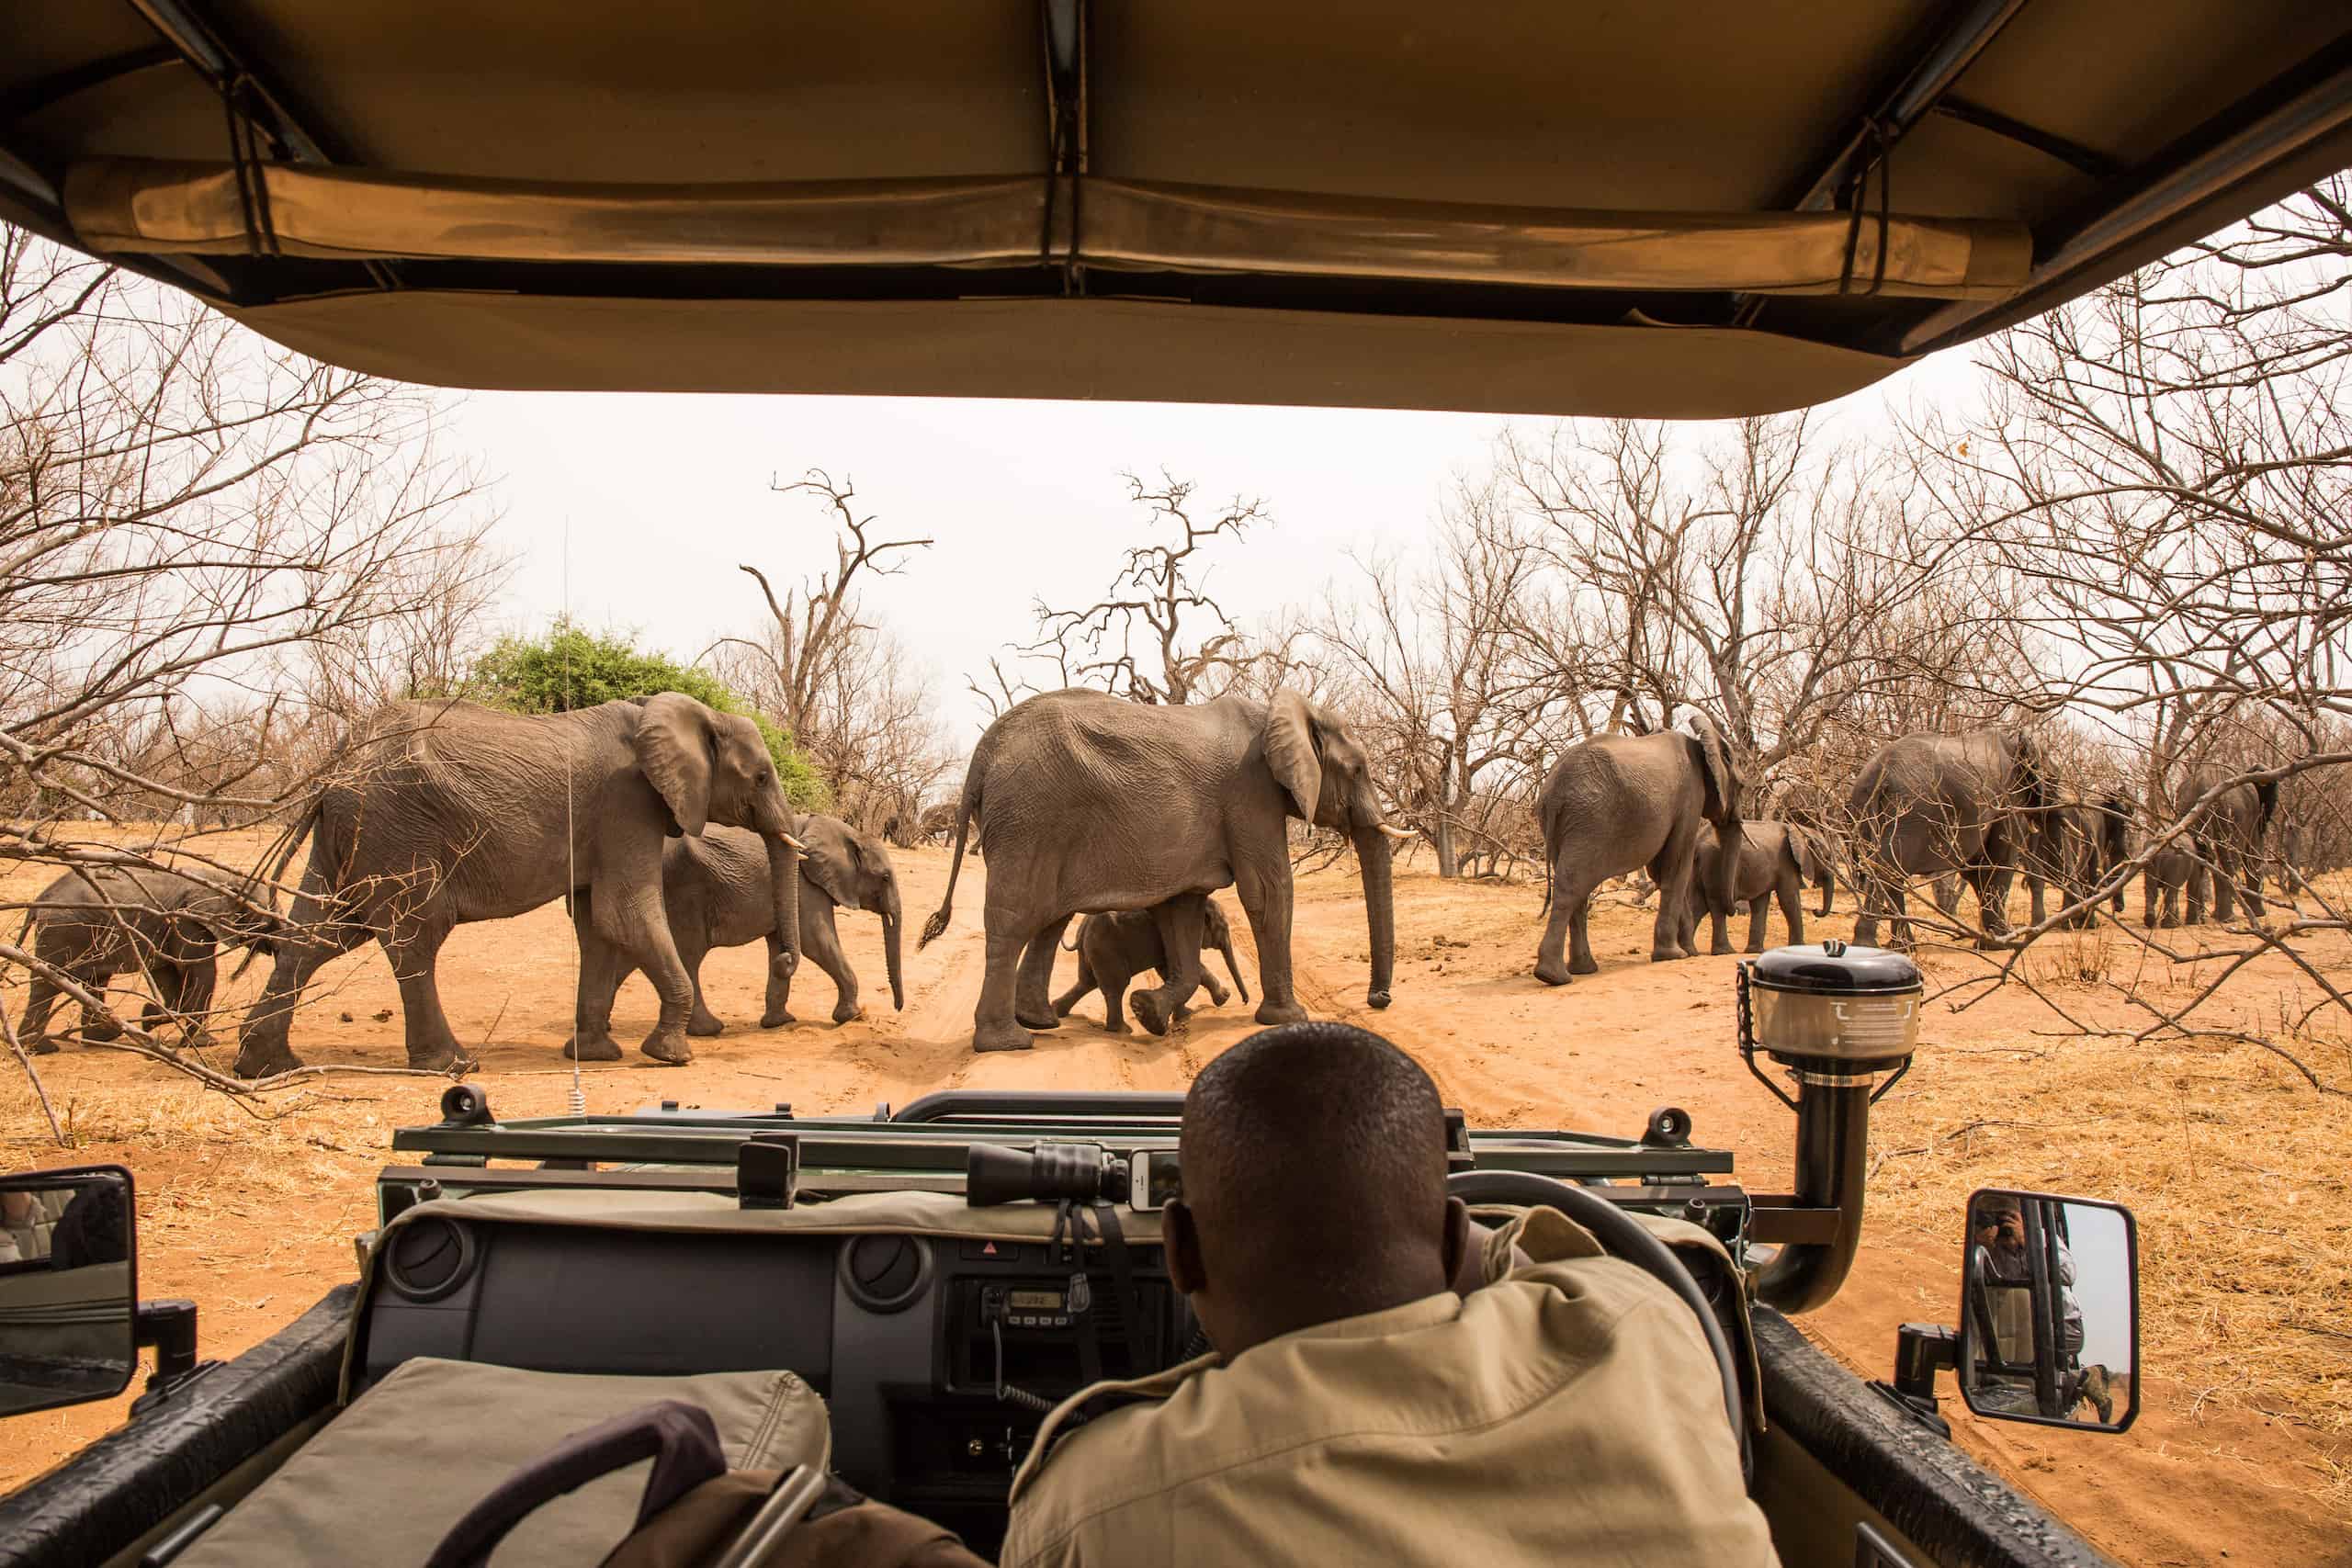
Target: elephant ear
x,y
2032,787
1722,779
831,860
1290,750
673,752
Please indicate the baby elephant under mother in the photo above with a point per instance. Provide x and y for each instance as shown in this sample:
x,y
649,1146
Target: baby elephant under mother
x,y
1093,803
443,813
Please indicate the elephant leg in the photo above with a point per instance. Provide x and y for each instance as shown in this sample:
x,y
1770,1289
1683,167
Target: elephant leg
x,y
1718,929
777,1012
2248,872
993,1028
2034,891
1032,1004
198,977
1791,900
1756,908
628,913
40,999
1672,871
603,968
321,936
1077,993
701,1023
1218,995
820,944
2194,896
1562,951
1181,922
1114,999
1266,898
414,948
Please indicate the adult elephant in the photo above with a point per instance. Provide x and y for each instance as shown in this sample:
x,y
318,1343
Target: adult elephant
x,y
715,891
2228,836
444,813
1094,804
1617,802
1928,806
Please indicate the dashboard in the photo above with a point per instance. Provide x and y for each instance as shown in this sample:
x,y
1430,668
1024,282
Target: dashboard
x,y
910,1339
938,1354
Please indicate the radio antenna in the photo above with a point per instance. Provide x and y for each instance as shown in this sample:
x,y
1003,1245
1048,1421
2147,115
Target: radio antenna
x,y
570,853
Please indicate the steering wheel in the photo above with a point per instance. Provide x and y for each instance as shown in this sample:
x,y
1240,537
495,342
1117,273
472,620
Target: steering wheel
x,y
1623,1238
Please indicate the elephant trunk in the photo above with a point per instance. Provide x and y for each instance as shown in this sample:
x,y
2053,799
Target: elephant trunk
x,y
890,947
1724,894
1829,885
1380,911
784,888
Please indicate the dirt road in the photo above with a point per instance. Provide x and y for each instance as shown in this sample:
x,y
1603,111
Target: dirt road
x,y
253,1218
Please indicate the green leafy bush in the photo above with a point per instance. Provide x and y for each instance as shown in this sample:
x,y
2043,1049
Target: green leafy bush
x,y
570,667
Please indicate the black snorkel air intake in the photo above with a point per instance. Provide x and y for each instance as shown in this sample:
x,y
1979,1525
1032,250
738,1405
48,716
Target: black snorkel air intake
x,y
1834,1018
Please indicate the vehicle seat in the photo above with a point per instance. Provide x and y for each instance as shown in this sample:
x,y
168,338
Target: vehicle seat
x,y
383,1482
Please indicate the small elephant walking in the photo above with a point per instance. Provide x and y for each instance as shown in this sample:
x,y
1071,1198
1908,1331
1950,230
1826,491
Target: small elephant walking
x,y
2174,876
100,921
1115,947
715,891
1776,861
1620,802
2228,836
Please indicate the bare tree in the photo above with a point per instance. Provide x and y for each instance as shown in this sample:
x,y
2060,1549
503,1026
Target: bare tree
x,y
1157,634
853,699
1456,711
189,517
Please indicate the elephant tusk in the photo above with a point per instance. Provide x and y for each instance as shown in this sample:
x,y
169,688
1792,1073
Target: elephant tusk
x,y
797,846
1392,832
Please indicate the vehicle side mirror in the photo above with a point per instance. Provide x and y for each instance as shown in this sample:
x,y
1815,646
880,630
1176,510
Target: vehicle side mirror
x,y
69,1288
2049,1311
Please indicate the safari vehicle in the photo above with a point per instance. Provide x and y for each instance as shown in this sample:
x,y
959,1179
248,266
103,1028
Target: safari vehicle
x,y
1532,208
942,1274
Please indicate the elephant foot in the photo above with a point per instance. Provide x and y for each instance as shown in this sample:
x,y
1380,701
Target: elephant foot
x,y
1552,971
1271,1012
198,1040
265,1063
669,1047
1375,998
600,1048
101,1031
1584,964
1044,1023
847,1012
1114,1025
1149,1013
41,1045
1724,950
447,1058
703,1026
776,1017
1000,1037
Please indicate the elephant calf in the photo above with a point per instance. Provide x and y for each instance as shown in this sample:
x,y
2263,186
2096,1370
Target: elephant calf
x,y
2174,875
1776,859
716,893
1112,949
107,920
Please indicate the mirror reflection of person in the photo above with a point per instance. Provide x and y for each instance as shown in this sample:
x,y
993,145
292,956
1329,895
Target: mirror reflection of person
x,y
1997,1227
27,1220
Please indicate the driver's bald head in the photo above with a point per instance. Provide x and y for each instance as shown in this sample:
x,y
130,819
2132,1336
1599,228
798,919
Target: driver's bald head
x,y
1314,1161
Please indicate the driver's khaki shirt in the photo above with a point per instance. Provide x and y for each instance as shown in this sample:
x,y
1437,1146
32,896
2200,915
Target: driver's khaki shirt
x,y
1568,1414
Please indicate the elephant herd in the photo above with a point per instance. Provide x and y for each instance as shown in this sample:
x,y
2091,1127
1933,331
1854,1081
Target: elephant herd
x,y
664,827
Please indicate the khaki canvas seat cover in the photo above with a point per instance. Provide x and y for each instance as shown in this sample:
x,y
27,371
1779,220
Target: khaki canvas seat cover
x,y
383,1482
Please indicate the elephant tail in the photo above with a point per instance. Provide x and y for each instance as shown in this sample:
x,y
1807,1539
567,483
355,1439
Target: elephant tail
x,y
966,809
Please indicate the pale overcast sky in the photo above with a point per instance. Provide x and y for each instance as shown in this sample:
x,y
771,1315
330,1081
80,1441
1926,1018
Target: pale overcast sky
x,y
664,495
